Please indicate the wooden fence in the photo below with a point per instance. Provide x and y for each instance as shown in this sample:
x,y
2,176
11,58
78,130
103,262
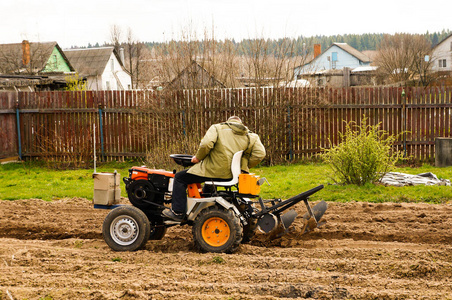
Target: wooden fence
x,y
293,124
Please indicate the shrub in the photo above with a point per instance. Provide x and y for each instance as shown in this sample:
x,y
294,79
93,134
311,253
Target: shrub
x,y
365,154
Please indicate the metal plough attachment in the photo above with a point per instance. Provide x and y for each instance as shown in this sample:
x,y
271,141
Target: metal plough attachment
x,y
272,220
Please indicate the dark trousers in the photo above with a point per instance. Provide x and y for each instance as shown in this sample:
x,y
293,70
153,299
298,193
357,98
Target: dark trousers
x,y
181,180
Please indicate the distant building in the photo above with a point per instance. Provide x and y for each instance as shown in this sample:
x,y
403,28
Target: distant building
x,y
33,58
194,76
33,66
103,68
337,57
360,76
442,56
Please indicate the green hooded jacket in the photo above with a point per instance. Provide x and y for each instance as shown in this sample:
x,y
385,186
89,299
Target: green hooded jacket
x,y
218,146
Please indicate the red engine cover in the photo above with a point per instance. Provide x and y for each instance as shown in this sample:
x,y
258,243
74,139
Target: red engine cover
x,y
137,173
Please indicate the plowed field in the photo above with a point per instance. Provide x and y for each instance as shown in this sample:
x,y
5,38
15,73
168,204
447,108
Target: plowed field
x,y
55,250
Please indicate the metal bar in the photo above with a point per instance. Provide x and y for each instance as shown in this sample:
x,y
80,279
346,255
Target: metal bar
x,y
278,208
100,206
19,141
101,134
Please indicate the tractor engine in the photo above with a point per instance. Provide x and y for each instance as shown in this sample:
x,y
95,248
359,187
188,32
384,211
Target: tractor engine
x,y
147,186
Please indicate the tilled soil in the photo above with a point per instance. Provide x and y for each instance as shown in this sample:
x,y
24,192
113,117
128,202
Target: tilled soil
x,y
55,250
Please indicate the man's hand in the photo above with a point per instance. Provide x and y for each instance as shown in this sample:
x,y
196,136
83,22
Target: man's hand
x,y
194,160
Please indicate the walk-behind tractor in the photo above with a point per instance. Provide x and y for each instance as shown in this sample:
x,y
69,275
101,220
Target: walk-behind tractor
x,y
222,214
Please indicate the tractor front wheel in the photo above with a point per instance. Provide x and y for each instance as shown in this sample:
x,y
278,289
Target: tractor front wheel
x,y
217,230
126,228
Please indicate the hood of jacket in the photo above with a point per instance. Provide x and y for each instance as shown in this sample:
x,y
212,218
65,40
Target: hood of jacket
x,y
237,127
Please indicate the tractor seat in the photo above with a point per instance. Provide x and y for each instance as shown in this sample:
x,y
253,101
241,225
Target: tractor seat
x,y
235,169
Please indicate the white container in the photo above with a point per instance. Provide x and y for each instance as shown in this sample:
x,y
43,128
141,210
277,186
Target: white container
x,y
106,188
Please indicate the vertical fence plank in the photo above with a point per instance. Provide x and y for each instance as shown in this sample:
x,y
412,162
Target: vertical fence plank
x,y
292,122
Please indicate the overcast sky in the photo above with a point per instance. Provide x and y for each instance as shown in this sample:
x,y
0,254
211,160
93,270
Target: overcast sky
x,y
79,22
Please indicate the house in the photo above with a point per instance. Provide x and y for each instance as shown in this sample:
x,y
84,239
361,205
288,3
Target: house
x,y
27,83
102,67
442,56
337,57
33,66
194,76
33,59
360,76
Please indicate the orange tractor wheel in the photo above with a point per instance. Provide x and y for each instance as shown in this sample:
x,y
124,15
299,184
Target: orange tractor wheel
x,y
217,230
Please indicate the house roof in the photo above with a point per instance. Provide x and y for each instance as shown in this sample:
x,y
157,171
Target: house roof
x,y
347,48
23,80
352,51
194,67
11,56
445,39
91,61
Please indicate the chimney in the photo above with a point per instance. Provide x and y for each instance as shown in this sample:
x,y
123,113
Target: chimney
x,y
317,50
121,55
25,53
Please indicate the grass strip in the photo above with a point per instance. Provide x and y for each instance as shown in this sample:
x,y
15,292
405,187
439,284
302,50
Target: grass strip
x,y
33,180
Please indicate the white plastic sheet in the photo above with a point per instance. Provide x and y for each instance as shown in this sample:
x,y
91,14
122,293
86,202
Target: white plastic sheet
x,y
402,179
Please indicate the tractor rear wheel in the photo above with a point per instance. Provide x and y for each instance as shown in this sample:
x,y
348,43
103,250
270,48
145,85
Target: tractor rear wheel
x,y
141,193
217,230
126,228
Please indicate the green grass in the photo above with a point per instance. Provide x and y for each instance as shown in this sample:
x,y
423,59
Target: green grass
x,y
287,181
32,180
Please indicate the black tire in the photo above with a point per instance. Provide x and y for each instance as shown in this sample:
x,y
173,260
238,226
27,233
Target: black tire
x,y
249,230
126,228
140,191
158,229
229,230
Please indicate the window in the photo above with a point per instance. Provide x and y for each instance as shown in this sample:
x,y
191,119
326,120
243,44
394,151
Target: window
x,y
333,60
442,63
112,65
334,56
107,83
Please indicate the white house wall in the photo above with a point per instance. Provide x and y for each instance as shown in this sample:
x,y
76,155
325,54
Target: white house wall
x,y
344,60
110,81
443,51
94,83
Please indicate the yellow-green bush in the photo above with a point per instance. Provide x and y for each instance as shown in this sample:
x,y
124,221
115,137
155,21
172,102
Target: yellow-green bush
x,y
365,154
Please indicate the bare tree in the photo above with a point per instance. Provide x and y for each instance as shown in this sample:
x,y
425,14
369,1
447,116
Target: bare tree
x,y
133,52
270,64
401,57
196,63
116,36
257,62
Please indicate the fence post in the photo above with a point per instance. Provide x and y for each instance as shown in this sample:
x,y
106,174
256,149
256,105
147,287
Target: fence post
x,y
404,121
183,121
19,142
101,133
290,134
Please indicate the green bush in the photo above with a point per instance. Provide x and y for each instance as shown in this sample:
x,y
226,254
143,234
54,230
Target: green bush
x,y
365,154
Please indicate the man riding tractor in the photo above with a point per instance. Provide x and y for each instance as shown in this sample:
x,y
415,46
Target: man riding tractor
x,y
213,160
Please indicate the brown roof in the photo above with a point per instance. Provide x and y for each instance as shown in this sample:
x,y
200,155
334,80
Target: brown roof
x,y
11,56
91,61
353,51
195,76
